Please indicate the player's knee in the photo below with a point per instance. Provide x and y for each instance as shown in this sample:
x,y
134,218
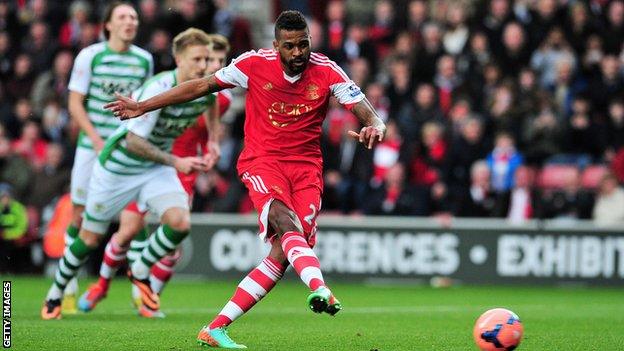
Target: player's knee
x,y
178,219
90,239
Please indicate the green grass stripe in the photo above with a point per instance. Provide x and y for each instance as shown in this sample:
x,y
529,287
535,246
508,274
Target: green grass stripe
x,y
387,317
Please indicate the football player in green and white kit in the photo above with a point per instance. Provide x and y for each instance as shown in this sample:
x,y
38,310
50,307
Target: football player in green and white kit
x,y
136,164
100,70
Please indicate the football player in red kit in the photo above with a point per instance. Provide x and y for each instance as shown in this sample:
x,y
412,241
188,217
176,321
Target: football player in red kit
x,y
132,224
288,91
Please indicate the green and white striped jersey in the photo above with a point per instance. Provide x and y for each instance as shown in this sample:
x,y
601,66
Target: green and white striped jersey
x,y
98,73
160,127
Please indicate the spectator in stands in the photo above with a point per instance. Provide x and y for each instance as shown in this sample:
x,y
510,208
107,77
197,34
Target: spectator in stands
x,y
609,207
382,31
478,200
54,120
584,138
552,50
503,162
448,83
51,180
606,85
151,20
542,134
31,145
335,30
466,148
492,24
6,56
13,227
579,26
569,203
39,46
457,32
521,202
399,89
417,16
423,108
615,130
613,31
503,113
20,83
426,157
52,84
393,197
13,122
357,45
160,47
431,49
70,33
516,53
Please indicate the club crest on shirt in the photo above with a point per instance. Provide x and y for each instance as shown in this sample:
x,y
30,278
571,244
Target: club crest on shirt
x,y
268,86
312,92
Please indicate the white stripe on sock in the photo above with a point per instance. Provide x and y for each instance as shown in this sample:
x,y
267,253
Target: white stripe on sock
x,y
231,310
309,273
163,238
252,288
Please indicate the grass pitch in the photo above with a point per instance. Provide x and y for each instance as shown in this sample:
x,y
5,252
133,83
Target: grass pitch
x,y
383,318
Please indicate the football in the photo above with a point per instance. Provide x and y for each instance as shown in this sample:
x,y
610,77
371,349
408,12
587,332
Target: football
x,y
498,329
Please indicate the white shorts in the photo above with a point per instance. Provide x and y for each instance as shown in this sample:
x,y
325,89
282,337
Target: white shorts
x,y
80,174
158,189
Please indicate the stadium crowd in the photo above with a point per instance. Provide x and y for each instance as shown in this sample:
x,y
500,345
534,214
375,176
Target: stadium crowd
x,y
498,108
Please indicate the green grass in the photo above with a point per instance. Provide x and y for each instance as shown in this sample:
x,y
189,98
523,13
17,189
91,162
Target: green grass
x,y
380,318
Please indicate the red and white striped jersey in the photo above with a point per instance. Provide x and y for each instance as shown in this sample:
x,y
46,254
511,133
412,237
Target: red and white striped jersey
x,y
284,114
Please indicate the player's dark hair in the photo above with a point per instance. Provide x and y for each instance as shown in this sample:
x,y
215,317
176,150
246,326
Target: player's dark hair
x,y
108,13
290,20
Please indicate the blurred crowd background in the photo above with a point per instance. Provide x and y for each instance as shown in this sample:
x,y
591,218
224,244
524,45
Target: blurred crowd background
x,y
499,108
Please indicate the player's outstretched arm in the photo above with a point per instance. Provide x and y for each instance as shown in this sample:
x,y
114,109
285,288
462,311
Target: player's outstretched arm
x,y
126,108
374,128
142,147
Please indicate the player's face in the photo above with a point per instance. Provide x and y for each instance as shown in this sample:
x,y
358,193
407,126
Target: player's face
x,y
193,61
216,61
123,23
294,50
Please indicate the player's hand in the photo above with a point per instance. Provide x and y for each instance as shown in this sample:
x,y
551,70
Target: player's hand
x,y
124,107
187,165
214,153
369,135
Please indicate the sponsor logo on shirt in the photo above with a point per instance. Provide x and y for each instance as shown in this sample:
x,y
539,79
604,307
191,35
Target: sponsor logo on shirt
x,y
282,114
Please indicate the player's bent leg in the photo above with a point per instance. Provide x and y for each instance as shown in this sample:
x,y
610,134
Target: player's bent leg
x,y
73,258
302,257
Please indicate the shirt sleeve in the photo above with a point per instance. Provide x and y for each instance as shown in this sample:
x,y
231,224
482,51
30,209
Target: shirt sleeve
x,y
143,126
236,74
81,72
343,88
